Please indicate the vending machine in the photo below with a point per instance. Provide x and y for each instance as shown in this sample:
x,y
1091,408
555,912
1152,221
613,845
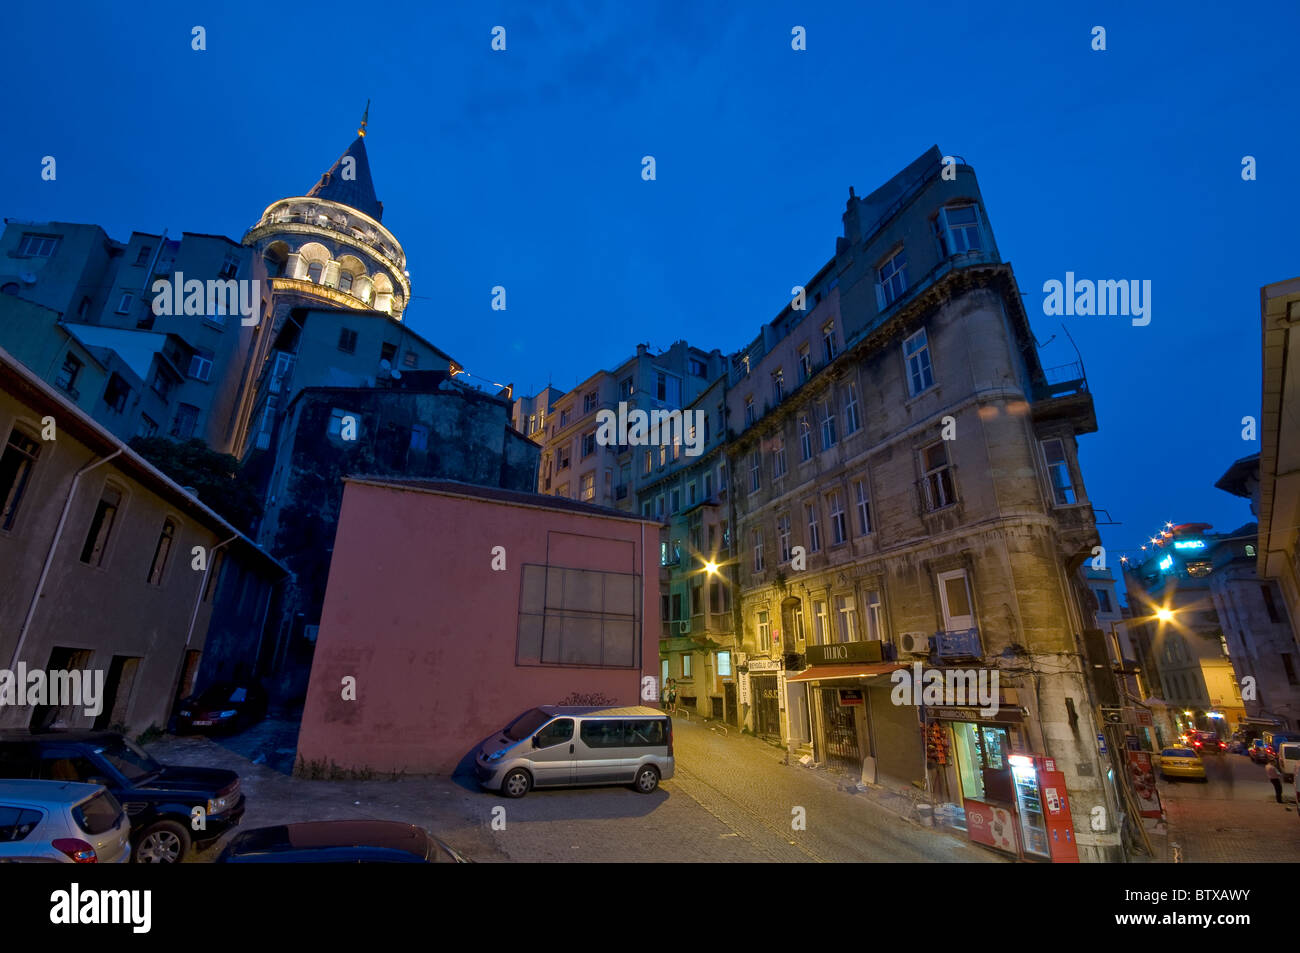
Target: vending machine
x,y
1046,825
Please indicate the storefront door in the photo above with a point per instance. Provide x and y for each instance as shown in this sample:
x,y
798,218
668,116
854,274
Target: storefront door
x,y
767,705
840,731
981,752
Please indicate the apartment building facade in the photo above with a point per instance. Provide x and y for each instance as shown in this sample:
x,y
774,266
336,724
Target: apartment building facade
x,y
106,289
530,414
906,489
690,496
576,464
1188,656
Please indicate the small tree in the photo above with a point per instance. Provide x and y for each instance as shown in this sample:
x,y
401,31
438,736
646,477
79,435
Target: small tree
x,y
215,477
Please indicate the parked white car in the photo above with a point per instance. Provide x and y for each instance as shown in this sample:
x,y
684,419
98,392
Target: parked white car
x,y
62,822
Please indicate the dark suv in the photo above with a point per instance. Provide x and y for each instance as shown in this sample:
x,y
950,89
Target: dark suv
x,y
159,799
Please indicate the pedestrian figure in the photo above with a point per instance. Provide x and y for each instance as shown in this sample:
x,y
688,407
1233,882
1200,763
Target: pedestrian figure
x,y
1271,770
1296,779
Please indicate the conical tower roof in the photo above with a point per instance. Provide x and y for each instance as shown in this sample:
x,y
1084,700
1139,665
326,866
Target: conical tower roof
x,y
349,182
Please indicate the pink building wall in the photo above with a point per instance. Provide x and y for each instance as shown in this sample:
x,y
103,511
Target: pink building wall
x,y
416,614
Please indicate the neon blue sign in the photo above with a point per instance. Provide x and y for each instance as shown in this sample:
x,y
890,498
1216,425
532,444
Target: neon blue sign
x,y
1189,544
1167,563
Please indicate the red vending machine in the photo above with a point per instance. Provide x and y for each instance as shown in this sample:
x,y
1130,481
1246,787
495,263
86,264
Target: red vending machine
x,y
1046,826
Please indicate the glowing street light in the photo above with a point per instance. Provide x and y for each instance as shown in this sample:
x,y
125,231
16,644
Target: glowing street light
x,y
711,568
1164,615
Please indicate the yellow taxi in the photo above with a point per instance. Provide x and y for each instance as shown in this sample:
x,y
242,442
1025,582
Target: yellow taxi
x,y
1181,763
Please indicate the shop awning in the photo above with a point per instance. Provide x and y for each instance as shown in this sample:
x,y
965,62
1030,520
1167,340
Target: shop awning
x,y
826,673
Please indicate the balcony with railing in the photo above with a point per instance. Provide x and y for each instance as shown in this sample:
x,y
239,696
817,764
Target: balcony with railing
x,y
1061,392
958,644
1062,380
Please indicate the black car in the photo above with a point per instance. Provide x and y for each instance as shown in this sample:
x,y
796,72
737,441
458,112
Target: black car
x,y
159,798
339,842
225,707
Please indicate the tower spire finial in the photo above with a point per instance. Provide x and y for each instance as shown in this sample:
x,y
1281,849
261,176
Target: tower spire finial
x,y
365,116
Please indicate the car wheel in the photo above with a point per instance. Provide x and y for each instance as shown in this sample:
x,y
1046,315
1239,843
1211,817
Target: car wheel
x,y
647,779
163,843
517,783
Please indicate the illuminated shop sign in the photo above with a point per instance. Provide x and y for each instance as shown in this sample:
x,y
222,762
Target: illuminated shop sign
x,y
1189,544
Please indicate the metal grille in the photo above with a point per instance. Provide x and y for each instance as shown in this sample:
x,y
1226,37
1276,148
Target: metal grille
x,y
839,732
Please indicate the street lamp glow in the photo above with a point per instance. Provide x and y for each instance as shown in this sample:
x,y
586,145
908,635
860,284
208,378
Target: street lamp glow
x,y
711,568
1164,615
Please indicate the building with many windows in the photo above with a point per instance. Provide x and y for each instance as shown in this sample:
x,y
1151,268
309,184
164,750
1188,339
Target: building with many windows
x,y
697,563
1194,656
907,491
575,463
100,294
530,414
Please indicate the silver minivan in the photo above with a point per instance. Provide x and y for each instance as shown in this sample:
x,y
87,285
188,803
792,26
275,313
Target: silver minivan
x,y
556,746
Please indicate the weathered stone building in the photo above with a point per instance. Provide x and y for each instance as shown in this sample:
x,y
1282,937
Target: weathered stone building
x,y
902,431
426,425
1279,443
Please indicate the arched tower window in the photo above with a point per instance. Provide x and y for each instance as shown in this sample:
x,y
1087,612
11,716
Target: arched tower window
x,y
276,258
314,272
350,269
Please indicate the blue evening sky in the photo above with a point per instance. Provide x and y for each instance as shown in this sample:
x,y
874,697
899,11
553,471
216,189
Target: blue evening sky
x,y
523,169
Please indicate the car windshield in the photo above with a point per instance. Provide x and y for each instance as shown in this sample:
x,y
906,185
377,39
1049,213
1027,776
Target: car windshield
x,y
526,724
130,760
222,695
1178,753
1291,751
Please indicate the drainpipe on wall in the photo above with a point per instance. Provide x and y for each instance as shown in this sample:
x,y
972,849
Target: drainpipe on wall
x,y
49,556
203,585
189,634
148,277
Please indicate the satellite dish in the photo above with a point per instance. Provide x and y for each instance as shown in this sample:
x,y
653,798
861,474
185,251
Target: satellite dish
x,y
397,375
385,364
28,277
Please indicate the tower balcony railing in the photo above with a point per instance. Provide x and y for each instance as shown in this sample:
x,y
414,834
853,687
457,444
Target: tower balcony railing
x,y
1064,380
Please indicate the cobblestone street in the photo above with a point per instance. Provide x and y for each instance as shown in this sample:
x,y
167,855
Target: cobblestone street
x,y
1232,816
732,800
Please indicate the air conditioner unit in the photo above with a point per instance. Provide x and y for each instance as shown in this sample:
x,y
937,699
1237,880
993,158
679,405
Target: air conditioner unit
x,y
684,625
915,643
